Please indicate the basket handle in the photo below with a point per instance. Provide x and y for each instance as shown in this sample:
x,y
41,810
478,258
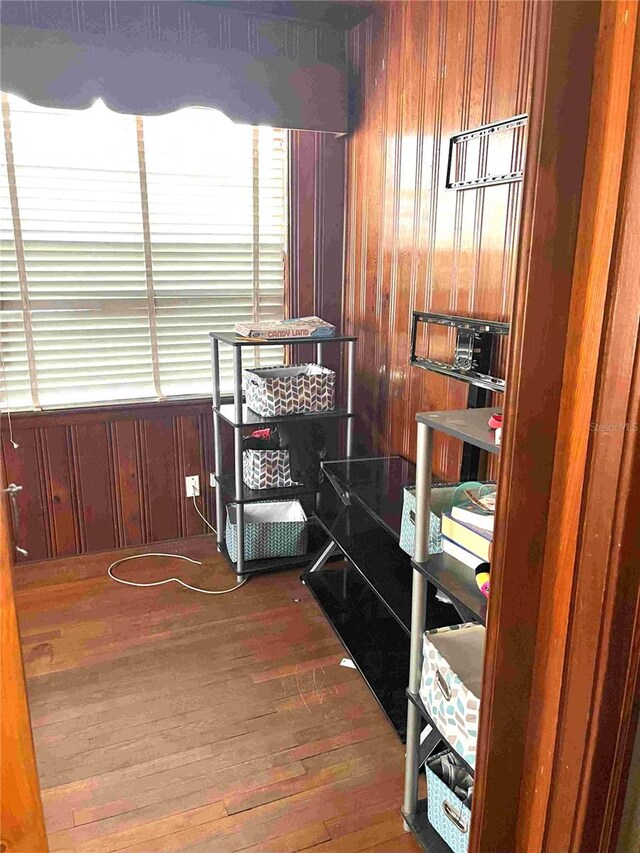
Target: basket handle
x,y
454,817
442,684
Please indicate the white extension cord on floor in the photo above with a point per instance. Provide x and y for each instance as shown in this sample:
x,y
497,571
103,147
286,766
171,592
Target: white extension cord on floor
x,y
175,557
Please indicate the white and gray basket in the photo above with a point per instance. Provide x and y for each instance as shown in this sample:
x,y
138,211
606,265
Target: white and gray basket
x,y
271,529
451,684
266,469
289,390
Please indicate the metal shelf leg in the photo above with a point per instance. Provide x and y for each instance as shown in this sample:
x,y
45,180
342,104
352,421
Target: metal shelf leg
x,y
217,445
237,453
418,617
351,367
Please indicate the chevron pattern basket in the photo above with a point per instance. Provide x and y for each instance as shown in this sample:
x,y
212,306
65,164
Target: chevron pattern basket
x,y
266,469
271,529
276,391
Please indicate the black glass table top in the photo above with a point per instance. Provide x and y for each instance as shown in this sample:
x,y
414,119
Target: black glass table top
x,y
378,484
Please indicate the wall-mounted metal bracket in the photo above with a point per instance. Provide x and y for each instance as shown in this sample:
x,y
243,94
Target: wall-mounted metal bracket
x,y
459,144
473,350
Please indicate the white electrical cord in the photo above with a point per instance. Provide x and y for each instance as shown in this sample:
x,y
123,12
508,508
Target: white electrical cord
x,y
210,526
175,557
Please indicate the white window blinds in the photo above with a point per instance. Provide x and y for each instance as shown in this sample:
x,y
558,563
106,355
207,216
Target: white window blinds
x,y
125,241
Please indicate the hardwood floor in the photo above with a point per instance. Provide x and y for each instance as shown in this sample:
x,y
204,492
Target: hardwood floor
x,y
166,720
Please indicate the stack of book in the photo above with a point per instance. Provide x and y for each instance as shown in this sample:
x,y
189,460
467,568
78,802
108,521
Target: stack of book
x,y
467,533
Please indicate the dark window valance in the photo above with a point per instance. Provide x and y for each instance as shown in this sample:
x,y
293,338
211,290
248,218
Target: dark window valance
x,y
148,58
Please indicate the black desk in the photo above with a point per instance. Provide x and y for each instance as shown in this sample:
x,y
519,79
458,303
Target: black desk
x,y
368,600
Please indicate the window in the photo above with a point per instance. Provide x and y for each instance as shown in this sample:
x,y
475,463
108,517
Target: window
x,y
124,241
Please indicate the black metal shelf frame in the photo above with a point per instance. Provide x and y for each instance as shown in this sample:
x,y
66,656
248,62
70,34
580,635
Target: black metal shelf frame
x,y
470,426
238,416
426,716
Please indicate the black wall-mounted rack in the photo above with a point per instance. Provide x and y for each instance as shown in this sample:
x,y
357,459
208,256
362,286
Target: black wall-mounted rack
x,y
473,349
472,359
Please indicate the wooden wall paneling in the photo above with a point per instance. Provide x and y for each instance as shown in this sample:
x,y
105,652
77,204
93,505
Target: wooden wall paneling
x,y
431,83
424,71
94,473
189,463
109,477
608,121
374,199
22,467
162,479
409,152
316,226
22,827
128,482
442,293
208,498
565,40
56,473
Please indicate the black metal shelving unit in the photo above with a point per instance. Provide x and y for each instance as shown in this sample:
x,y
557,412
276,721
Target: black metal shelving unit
x,y
451,577
238,416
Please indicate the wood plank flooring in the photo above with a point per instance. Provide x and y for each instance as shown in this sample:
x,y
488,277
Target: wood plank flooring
x,y
166,720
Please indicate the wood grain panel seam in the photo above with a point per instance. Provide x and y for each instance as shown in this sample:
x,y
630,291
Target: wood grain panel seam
x,y
179,469
143,460
114,496
318,231
365,208
409,427
46,491
204,476
390,337
75,481
379,282
118,487
433,201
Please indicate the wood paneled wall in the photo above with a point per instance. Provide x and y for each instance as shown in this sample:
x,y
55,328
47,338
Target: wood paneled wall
x,y
424,71
108,478
316,201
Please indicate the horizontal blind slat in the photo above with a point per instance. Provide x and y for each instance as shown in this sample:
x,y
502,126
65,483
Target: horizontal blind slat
x,y
77,181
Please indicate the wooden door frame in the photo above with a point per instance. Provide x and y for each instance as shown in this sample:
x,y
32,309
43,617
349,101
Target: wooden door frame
x,y
559,688
22,828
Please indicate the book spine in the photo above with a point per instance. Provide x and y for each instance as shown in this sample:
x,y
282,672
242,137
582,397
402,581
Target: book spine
x,y
461,554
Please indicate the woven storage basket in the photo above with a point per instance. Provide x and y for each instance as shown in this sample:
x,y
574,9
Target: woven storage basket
x,y
276,391
271,529
266,469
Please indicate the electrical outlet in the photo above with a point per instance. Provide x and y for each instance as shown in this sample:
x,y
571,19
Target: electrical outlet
x,y
192,486
212,480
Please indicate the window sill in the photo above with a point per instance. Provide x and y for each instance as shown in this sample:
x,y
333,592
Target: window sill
x,y
126,410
